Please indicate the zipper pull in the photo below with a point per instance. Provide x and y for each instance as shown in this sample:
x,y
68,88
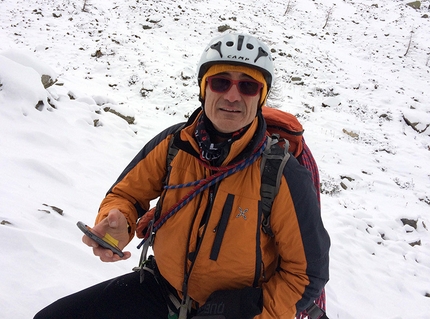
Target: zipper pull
x,y
211,196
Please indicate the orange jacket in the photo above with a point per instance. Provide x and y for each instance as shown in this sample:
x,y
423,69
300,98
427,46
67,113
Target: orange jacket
x,y
233,251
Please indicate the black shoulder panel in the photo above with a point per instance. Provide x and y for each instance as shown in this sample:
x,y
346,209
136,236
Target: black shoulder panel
x,y
147,149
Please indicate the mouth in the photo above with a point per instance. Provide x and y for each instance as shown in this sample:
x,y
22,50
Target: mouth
x,y
229,110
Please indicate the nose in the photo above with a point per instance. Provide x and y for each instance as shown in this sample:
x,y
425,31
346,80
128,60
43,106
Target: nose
x,y
233,94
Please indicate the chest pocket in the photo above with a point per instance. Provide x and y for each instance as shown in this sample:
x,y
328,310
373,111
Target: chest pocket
x,y
237,235
221,227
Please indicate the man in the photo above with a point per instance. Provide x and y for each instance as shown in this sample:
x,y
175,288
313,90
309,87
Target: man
x,y
211,256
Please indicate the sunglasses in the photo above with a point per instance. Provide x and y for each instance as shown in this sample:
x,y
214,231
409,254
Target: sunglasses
x,y
220,84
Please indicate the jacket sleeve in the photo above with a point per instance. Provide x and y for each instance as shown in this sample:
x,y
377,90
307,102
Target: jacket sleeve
x,y
302,243
140,182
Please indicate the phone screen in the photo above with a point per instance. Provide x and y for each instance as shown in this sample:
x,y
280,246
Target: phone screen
x,y
99,240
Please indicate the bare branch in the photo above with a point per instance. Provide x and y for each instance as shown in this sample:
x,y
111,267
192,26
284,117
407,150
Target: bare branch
x,y
409,45
289,7
328,16
84,8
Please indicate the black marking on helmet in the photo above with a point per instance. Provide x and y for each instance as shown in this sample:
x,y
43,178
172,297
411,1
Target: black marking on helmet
x,y
261,53
240,42
229,43
217,47
249,46
237,57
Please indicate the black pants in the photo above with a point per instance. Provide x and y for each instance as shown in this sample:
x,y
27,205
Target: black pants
x,y
121,297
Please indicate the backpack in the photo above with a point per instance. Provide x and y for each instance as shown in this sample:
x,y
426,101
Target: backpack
x,y
286,139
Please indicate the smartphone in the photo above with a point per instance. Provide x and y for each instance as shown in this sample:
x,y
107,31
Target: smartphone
x,y
99,240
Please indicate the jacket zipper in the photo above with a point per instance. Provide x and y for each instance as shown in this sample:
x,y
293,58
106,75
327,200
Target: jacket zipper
x,y
205,218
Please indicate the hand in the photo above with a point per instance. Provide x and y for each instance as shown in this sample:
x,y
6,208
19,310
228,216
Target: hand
x,y
116,225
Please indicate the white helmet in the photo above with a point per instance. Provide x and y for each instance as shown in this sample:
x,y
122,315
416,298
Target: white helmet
x,y
237,49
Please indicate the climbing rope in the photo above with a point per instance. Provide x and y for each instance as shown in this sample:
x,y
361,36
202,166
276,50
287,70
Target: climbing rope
x,y
205,183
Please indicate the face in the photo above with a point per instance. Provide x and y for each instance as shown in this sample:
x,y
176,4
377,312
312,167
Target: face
x,y
230,111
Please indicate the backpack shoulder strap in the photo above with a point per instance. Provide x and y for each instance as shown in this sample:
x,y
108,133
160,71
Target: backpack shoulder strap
x,y
145,220
272,166
171,152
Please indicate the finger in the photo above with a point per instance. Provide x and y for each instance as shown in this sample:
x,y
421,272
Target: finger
x,y
116,219
107,255
113,219
89,242
115,257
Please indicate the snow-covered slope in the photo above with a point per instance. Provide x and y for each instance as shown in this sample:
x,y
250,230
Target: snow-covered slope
x,y
356,73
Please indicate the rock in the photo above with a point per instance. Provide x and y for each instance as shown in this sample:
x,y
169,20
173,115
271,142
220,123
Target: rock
x,y
223,28
416,123
47,81
351,134
411,222
415,4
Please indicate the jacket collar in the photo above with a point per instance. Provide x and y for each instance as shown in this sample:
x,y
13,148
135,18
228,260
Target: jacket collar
x,y
240,149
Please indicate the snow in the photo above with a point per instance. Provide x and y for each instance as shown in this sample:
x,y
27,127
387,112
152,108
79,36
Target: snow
x,y
361,75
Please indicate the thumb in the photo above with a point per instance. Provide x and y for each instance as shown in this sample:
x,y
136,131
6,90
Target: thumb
x,y
114,217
